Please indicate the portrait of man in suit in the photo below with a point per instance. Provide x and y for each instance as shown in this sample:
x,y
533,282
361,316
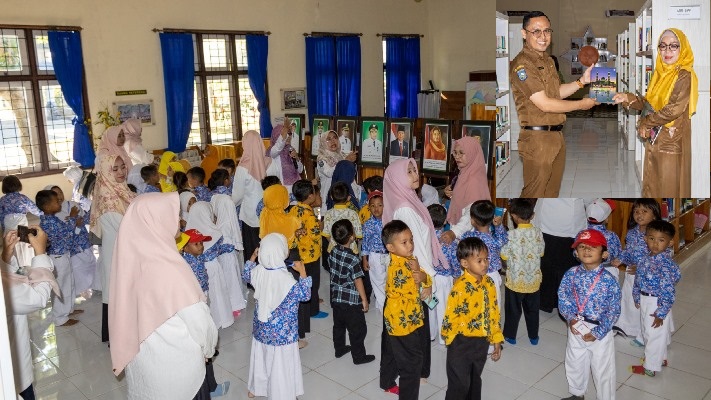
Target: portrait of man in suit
x,y
400,147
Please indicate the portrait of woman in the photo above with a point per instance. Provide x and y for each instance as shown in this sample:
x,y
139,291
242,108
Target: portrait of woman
x,y
435,147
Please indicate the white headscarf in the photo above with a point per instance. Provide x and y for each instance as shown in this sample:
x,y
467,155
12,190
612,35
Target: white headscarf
x,y
429,195
184,200
201,218
227,220
271,280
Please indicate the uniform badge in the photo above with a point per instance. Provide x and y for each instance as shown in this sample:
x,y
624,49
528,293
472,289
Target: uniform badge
x,y
521,74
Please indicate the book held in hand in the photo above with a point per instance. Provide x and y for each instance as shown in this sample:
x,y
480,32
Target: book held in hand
x,y
603,84
647,109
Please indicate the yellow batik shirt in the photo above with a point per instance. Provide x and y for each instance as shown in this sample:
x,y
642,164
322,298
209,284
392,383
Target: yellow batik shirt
x,y
310,244
364,214
403,308
472,310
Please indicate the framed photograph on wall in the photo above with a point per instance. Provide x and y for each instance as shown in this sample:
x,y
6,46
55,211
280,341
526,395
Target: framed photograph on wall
x,y
372,143
484,131
296,130
320,125
139,109
436,137
293,98
399,139
346,130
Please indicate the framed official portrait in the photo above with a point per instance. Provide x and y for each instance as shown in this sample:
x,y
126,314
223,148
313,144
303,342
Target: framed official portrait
x,y
346,128
436,138
296,129
372,146
320,125
484,131
400,139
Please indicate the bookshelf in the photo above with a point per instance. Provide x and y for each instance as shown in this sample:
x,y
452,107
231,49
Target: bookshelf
x,y
502,147
625,65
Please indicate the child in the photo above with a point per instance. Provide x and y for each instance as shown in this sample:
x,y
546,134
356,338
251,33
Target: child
x,y
589,300
275,366
166,172
181,181
227,223
151,177
522,254
196,179
404,317
445,274
348,298
219,182
471,323
230,166
341,198
597,212
374,254
60,236
14,207
654,295
372,184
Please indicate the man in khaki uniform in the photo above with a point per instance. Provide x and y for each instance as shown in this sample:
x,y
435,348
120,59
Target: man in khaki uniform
x,y
538,94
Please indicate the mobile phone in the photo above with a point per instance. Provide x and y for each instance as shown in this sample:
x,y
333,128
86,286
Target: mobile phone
x,y
23,233
499,211
432,302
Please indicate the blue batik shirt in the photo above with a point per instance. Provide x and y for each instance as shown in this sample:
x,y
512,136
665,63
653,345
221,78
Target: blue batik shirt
x,y
450,253
17,203
150,189
197,264
60,234
657,276
494,242
202,193
372,237
600,302
81,240
614,246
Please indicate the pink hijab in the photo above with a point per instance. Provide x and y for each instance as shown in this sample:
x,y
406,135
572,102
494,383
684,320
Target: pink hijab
x,y
397,193
253,158
132,129
146,254
108,145
472,184
108,195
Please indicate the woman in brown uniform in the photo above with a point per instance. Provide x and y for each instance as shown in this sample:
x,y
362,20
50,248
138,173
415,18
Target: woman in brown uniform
x,y
673,93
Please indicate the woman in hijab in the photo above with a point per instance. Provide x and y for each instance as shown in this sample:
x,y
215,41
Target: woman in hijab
x,y
187,199
211,159
285,160
274,218
111,199
134,143
673,93
329,154
112,143
345,172
233,262
166,172
160,323
468,186
247,189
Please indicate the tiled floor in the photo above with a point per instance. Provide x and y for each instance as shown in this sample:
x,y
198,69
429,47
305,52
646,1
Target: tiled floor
x,y
597,163
70,363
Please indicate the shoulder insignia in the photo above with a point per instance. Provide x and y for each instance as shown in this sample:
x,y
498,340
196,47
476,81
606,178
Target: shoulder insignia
x,y
521,73
518,68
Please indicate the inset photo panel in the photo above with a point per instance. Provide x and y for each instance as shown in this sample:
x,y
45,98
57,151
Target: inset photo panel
x,y
372,146
319,126
436,138
483,131
346,128
400,139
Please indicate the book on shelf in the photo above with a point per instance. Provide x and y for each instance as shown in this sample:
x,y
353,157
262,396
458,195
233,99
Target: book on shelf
x,y
502,152
502,116
603,84
667,208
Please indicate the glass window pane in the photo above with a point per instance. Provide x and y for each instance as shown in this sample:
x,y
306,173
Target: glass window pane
x,y
58,125
216,53
196,128
44,56
241,45
13,52
248,106
221,98
19,142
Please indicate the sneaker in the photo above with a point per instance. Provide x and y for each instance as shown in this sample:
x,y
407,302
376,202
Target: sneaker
x,y
534,341
574,397
343,352
221,389
636,343
510,340
70,322
366,359
321,314
394,390
640,370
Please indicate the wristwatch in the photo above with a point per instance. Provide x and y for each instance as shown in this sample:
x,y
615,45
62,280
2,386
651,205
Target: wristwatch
x,y
580,83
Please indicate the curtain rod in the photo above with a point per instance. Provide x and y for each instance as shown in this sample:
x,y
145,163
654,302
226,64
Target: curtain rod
x,y
403,35
206,31
332,34
44,27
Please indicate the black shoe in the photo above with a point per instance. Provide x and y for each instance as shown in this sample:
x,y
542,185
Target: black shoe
x,y
366,359
619,331
343,352
548,310
574,397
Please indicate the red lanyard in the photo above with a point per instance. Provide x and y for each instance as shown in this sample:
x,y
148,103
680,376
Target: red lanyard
x,y
581,307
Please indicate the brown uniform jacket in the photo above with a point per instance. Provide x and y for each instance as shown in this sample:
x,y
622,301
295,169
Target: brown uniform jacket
x,y
532,72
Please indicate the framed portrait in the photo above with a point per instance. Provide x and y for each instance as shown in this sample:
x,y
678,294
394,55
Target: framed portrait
x,y
296,129
372,143
320,125
139,109
436,137
484,131
346,128
293,98
400,138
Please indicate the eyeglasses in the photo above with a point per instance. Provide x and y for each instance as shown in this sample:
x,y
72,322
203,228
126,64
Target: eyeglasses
x,y
537,33
671,46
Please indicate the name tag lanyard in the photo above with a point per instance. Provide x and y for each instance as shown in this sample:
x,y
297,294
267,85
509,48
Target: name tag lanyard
x,y
581,307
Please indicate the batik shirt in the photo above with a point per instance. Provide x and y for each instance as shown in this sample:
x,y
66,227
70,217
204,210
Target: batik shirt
x,y
372,237
337,213
150,189
450,253
60,234
523,255
364,213
202,193
197,263
493,242
345,269
598,294
657,276
636,248
16,203
614,246
310,244
218,190
282,327
472,310
81,240
403,309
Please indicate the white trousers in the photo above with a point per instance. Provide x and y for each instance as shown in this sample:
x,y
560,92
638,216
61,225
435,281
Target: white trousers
x,y
629,314
84,270
444,286
599,356
275,371
65,279
655,339
378,274
614,271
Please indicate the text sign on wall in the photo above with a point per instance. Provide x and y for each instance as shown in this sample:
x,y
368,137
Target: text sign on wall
x,y
131,92
685,12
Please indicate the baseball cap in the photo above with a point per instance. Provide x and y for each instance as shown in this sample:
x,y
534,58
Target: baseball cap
x,y
195,236
590,237
599,210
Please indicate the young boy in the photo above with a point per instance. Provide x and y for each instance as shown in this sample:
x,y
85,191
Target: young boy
x,y
654,295
374,254
403,317
372,184
471,322
522,254
341,199
151,177
196,181
348,298
597,212
60,238
589,300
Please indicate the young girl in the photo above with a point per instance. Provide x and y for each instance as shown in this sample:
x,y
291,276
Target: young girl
x,y
180,179
219,182
187,199
232,262
275,365
14,207
166,173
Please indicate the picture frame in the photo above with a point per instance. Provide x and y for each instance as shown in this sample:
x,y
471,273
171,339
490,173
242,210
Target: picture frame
x,y
486,132
297,130
436,139
346,130
372,144
293,98
320,124
139,109
395,125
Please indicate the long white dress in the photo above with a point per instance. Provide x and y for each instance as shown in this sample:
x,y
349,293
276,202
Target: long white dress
x,y
110,222
219,294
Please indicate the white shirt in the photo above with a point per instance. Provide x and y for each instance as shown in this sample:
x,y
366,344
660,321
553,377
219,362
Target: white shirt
x,y
275,166
246,192
560,217
345,144
110,222
372,148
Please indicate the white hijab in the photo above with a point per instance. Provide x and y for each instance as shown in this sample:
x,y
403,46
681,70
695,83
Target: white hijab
x,y
201,218
429,195
271,280
227,220
184,201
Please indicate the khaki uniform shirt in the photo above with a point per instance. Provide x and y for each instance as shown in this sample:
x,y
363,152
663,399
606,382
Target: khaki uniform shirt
x,y
532,72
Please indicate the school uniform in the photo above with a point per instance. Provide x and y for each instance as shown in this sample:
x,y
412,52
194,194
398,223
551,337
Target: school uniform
x,y
493,241
202,193
444,279
219,294
60,236
654,291
82,258
378,258
614,247
592,297
13,212
309,246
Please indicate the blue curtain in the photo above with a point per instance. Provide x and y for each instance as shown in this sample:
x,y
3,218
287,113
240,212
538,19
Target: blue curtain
x,y
403,76
348,67
178,77
320,76
68,65
257,51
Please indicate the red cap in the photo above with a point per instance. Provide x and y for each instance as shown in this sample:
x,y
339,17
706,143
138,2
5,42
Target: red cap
x,y
590,237
375,193
196,236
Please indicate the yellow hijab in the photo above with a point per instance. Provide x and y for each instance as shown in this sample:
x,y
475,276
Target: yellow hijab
x,y
273,218
165,160
665,76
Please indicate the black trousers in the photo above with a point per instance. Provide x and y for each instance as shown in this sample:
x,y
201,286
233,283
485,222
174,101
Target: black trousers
x,y
390,367
314,271
209,384
324,254
28,393
351,318
250,240
530,302
557,258
366,284
104,322
407,353
466,357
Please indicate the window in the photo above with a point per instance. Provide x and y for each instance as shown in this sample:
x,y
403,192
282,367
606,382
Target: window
x,y
224,106
36,131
